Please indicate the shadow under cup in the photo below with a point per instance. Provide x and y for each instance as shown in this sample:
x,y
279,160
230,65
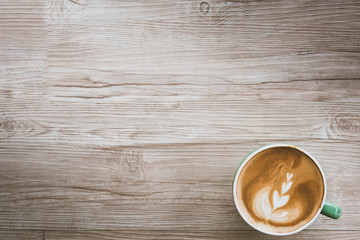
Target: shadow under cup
x,y
280,190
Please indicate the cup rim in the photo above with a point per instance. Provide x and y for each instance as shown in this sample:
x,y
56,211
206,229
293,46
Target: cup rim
x,y
251,155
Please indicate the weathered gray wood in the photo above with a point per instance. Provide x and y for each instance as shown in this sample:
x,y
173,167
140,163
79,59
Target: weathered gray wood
x,y
174,186
133,115
21,235
252,235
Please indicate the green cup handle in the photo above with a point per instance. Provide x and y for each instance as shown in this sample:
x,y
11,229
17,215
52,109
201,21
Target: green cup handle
x,y
331,210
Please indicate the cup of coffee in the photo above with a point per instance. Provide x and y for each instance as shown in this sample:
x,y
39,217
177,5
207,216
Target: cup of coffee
x,y
280,189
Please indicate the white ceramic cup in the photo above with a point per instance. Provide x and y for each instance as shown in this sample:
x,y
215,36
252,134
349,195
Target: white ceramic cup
x,y
326,208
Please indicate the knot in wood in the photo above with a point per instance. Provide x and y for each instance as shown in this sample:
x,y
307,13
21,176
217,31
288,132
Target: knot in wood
x,y
204,7
8,125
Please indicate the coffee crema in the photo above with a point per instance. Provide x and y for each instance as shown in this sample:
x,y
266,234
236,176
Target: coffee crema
x,y
279,190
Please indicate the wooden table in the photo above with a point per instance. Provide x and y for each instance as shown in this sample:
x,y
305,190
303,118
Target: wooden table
x,y
127,119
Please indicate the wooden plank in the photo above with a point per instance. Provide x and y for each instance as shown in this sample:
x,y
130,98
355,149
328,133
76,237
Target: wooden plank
x,y
174,187
20,235
144,89
253,235
143,123
235,41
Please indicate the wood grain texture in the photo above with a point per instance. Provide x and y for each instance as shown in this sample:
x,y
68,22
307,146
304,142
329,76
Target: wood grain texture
x,y
156,187
20,235
168,235
23,25
132,116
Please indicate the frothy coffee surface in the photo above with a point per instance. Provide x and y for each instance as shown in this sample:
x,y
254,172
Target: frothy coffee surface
x,y
280,190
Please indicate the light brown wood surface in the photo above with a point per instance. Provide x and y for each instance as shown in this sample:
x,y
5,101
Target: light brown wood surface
x,y
127,119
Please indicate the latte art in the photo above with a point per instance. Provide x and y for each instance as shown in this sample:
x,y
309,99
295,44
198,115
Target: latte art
x,y
263,208
280,189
